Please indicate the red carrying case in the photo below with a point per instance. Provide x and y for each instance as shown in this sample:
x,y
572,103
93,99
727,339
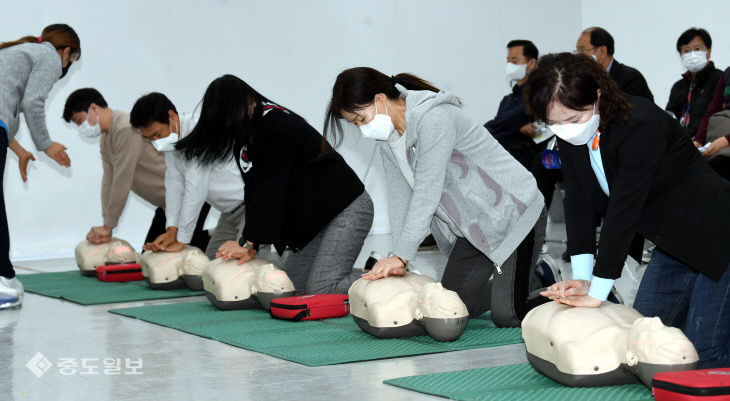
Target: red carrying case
x,y
692,385
115,273
310,307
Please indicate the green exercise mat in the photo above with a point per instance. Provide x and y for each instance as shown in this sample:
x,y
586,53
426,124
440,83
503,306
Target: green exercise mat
x,y
310,343
85,290
513,383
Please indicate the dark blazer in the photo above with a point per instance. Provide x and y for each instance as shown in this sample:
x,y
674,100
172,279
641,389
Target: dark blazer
x,y
630,80
292,193
659,185
705,83
505,127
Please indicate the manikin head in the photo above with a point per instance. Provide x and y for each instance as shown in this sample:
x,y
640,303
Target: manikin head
x,y
653,347
194,261
443,314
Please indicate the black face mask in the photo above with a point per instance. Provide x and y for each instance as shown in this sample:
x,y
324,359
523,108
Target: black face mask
x,y
64,70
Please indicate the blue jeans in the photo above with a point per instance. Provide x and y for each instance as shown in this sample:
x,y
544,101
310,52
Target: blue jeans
x,y
691,301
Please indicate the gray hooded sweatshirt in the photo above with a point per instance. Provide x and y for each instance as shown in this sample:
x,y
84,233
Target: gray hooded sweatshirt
x,y
27,73
461,174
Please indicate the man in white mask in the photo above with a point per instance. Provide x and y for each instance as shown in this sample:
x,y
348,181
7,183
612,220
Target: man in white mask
x,y
692,94
190,188
512,127
130,163
597,43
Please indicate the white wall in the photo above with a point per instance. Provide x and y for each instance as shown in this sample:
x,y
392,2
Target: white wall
x,y
291,51
646,32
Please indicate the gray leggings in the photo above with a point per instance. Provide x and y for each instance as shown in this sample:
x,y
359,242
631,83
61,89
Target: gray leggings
x,y
324,265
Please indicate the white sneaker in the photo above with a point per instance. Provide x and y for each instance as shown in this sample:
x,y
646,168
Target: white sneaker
x,y
11,293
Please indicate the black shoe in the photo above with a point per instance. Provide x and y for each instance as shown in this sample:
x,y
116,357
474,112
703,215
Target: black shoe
x,y
372,259
615,297
428,243
547,271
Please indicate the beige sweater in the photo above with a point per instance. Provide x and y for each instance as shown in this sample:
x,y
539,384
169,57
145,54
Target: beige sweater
x,y
130,163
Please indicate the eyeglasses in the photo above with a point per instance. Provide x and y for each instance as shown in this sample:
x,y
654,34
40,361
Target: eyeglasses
x,y
582,50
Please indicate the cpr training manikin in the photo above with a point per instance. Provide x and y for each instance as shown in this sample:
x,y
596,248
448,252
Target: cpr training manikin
x,y
610,345
251,285
406,306
169,270
90,256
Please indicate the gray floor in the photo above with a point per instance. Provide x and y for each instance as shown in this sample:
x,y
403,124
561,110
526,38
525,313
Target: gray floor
x,y
179,366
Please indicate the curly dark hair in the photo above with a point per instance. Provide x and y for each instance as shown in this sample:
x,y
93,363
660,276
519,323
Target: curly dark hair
x,y
573,80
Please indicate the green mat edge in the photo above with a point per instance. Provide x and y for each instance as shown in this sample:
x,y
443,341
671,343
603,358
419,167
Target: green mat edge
x,y
397,382
167,296
126,312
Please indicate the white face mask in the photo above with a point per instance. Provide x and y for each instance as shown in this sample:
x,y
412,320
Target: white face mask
x,y
694,61
87,130
380,127
515,72
167,143
578,133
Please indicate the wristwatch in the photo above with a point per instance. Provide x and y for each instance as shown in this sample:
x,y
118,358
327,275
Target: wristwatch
x,y
242,242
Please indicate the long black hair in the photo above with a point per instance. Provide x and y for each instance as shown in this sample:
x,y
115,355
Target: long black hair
x,y
356,88
224,126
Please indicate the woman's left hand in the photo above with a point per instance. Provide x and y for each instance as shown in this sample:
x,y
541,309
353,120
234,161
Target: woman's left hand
x,y
23,161
716,146
231,250
385,267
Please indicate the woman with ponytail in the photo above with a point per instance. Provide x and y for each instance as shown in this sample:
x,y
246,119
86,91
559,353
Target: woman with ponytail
x,y
29,67
447,175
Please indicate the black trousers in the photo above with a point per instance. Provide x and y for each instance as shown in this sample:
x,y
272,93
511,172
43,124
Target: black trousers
x,y
507,295
200,237
6,268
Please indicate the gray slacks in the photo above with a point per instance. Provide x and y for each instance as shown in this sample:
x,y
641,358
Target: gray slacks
x,y
325,264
